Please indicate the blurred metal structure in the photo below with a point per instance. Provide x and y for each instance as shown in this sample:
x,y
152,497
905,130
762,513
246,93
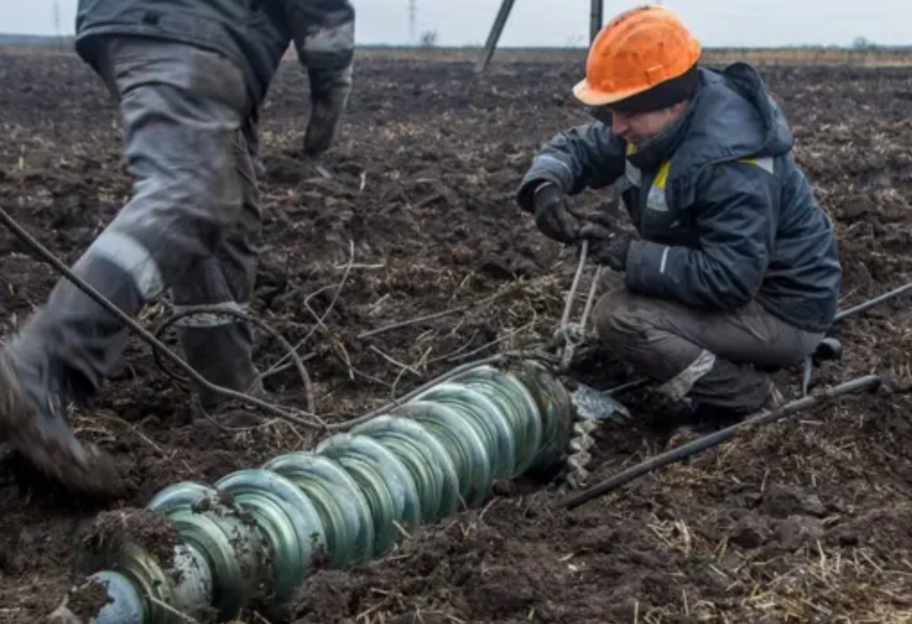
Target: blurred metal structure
x,y
596,18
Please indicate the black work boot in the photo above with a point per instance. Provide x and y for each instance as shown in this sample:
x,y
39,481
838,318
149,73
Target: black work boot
x,y
33,394
689,419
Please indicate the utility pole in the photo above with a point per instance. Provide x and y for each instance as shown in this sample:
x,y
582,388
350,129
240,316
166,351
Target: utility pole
x,y
494,36
56,12
413,9
595,19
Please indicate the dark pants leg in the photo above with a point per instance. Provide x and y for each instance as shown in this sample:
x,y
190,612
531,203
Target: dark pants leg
x,y
220,347
707,356
182,109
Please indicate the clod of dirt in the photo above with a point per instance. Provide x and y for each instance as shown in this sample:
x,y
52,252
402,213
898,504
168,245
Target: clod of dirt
x,y
326,594
749,532
796,531
87,600
600,539
223,504
781,501
885,529
502,591
845,536
151,531
856,208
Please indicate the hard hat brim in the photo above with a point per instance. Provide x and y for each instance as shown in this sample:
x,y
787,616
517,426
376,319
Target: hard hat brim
x,y
589,96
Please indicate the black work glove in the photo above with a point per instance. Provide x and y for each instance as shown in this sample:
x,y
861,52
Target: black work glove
x,y
608,244
553,214
329,91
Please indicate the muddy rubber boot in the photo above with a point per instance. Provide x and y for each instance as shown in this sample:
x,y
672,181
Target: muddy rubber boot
x,y
222,355
33,396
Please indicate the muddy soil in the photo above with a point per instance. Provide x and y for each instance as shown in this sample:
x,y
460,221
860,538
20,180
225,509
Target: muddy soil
x,y
412,213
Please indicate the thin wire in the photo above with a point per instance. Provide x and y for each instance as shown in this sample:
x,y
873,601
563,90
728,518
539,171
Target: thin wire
x,y
291,353
590,300
568,303
280,365
101,300
571,335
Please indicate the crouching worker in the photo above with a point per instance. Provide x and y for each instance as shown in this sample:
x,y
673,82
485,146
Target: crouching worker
x,y
735,270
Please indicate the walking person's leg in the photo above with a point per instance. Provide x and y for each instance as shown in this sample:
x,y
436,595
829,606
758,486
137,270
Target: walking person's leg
x,y
220,347
181,108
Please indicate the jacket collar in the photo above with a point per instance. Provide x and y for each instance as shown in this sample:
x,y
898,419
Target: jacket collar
x,y
650,154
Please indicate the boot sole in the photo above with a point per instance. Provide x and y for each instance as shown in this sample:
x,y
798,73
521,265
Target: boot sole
x,y
81,467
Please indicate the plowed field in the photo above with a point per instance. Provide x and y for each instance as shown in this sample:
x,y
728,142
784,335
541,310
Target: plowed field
x,y
412,213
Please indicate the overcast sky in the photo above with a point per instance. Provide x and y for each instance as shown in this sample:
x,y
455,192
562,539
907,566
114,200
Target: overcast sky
x,y
563,22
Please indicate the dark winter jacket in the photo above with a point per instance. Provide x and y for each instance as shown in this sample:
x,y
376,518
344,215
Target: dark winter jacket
x,y
724,213
252,33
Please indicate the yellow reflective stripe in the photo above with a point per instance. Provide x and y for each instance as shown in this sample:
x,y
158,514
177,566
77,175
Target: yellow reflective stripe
x,y
662,176
655,200
131,257
765,163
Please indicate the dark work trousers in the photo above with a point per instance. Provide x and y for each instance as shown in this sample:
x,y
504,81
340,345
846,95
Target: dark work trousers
x,y
188,227
710,357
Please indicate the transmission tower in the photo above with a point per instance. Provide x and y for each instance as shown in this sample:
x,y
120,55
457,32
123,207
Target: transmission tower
x,y
596,13
413,10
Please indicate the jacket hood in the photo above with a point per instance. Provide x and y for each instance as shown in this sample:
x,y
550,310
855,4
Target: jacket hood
x,y
733,116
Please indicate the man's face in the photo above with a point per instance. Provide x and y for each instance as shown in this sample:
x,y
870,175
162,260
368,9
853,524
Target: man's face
x,y
638,128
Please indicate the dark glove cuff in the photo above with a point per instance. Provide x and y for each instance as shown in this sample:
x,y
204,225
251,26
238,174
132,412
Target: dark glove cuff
x,y
525,196
632,253
547,196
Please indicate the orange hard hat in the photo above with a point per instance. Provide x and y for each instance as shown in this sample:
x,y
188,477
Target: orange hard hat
x,y
634,52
